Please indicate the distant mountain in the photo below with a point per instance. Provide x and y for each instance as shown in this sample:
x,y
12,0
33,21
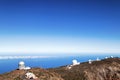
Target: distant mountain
x,y
106,69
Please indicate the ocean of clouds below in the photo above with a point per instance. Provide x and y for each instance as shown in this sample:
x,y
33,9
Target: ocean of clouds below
x,y
24,57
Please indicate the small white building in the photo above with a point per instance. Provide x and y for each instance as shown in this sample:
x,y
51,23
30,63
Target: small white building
x,y
97,59
75,62
21,65
111,56
90,61
106,57
69,67
26,68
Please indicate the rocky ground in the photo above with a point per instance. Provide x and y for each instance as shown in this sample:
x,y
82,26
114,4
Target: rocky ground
x,y
41,74
107,69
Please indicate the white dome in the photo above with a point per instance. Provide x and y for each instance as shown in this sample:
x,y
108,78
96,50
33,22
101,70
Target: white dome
x,y
97,59
21,63
74,61
90,61
106,57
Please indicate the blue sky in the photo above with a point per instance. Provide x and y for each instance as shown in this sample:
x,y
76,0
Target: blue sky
x,y
59,26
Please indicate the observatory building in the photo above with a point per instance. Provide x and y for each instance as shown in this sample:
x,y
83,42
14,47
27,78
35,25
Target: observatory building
x,y
97,59
106,57
111,56
90,61
75,62
21,65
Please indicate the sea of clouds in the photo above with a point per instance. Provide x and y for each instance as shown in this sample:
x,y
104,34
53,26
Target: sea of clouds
x,y
24,57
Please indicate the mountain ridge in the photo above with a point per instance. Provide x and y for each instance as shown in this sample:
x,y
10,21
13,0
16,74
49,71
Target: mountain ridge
x,y
106,69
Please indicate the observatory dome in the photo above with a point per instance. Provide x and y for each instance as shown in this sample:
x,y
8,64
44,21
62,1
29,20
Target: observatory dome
x,y
21,63
75,62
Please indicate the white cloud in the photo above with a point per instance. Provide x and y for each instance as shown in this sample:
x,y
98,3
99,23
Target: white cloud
x,y
24,57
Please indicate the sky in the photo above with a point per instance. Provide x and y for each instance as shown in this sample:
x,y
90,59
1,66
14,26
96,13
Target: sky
x,y
59,26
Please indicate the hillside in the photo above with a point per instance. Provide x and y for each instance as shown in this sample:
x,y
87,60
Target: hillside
x,y
41,74
107,69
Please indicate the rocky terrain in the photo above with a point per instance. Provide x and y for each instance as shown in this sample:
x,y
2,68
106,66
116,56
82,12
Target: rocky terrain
x,y
106,69
41,74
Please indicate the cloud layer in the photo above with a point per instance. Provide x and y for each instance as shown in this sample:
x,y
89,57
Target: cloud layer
x,y
24,57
